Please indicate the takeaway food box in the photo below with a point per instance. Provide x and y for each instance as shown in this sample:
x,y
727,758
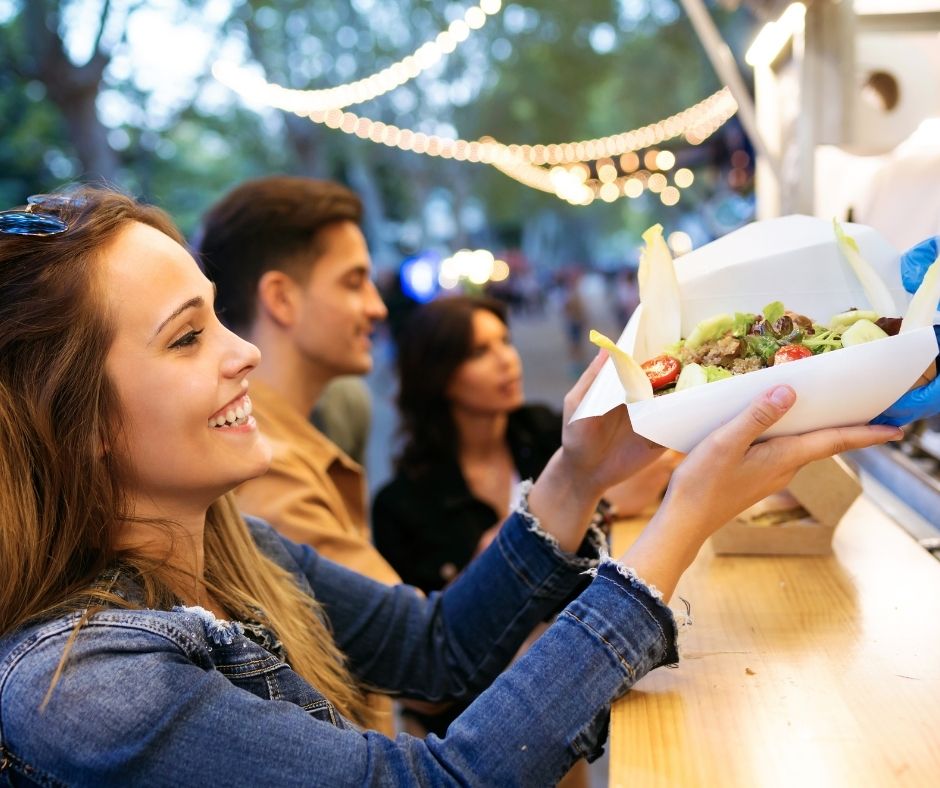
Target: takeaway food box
x,y
796,260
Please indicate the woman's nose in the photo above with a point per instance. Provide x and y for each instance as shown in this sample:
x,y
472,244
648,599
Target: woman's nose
x,y
509,356
241,357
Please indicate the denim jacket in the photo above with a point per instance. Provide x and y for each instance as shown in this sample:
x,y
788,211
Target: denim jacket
x,y
156,697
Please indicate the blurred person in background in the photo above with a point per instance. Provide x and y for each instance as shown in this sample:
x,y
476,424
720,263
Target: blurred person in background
x,y
626,296
343,413
573,314
293,276
470,442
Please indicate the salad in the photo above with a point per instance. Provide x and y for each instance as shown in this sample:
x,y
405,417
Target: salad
x,y
726,345
732,344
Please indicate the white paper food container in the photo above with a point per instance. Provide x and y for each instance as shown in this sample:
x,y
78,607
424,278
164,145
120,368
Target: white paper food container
x,y
793,259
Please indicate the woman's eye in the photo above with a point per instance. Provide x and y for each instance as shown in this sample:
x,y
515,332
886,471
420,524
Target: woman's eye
x,y
189,338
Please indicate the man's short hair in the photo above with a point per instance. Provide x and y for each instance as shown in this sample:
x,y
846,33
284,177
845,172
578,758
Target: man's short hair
x,y
267,224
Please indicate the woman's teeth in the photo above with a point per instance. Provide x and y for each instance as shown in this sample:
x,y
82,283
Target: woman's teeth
x,y
233,417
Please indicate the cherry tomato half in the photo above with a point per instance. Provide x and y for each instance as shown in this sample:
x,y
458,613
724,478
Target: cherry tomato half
x,y
662,370
791,353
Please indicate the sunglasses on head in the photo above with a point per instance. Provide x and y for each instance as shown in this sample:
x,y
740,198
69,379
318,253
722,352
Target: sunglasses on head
x,y
35,222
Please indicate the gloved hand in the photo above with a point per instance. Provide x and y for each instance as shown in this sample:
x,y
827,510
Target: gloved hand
x,y
916,261
924,401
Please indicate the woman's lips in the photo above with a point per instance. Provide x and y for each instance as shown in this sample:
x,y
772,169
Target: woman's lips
x,y
236,413
511,387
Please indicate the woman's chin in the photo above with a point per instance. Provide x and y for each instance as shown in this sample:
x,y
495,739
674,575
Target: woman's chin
x,y
258,468
516,401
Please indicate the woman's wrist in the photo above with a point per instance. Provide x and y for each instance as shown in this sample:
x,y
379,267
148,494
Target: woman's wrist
x,y
564,501
667,546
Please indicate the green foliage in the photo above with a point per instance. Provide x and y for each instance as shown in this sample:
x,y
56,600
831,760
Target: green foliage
x,y
540,71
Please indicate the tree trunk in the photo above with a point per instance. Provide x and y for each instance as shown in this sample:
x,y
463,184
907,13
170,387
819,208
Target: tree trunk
x,y
73,89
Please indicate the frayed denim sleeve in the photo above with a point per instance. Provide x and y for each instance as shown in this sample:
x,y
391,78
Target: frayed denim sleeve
x,y
648,598
592,548
605,641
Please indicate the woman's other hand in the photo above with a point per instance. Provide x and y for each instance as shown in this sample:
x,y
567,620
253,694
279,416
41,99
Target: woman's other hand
x,y
643,488
597,453
602,450
728,472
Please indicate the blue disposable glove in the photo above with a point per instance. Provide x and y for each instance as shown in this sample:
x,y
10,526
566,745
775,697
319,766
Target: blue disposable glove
x,y
916,261
924,401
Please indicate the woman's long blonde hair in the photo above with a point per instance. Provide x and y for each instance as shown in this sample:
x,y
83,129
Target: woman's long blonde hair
x,y
61,496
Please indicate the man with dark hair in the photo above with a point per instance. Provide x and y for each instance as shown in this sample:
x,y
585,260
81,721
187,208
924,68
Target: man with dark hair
x,y
293,276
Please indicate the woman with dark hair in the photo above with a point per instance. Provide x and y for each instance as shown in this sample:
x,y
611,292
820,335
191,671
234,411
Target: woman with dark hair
x,y
469,442
468,439
151,635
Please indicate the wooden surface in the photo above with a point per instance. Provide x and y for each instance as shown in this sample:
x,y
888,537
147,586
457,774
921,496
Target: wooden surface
x,y
798,670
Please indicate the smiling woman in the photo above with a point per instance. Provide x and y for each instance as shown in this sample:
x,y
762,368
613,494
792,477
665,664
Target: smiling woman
x,y
175,367
149,633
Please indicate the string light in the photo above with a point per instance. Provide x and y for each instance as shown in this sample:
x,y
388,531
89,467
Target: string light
x,y
557,168
696,124
302,102
665,160
683,178
633,188
657,182
571,184
679,242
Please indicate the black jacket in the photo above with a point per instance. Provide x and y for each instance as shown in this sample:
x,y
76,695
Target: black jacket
x,y
428,526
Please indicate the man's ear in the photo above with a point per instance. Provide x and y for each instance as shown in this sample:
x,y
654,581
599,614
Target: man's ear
x,y
278,296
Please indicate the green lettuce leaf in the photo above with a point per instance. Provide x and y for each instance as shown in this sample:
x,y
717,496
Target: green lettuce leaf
x,y
742,323
773,311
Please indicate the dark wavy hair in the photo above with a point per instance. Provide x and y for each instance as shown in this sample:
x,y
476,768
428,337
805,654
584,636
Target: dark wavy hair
x,y
435,341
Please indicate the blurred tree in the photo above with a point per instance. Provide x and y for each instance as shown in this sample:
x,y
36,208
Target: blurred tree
x,y
76,101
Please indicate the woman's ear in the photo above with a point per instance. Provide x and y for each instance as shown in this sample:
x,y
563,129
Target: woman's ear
x,y
277,297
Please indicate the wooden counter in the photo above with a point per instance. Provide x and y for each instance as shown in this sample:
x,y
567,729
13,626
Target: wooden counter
x,y
798,671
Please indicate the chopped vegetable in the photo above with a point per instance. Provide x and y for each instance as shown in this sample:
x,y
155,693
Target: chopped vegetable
x,y
716,373
791,353
660,316
843,320
709,330
861,331
662,370
632,377
773,312
765,347
699,374
743,322
875,289
921,310
691,375
823,340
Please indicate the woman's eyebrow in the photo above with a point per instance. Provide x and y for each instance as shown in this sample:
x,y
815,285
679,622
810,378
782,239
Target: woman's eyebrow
x,y
195,302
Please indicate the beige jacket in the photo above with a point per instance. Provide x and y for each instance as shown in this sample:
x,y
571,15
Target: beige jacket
x,y
313,492
316,495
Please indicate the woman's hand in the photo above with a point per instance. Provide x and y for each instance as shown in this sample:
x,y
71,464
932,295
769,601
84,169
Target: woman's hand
x,y
644,487
596,454
728,472
602,451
